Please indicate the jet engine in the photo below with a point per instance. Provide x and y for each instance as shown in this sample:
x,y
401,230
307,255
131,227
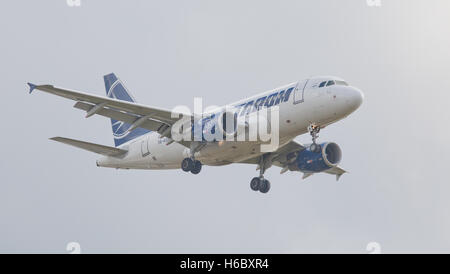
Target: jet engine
x,y
308,161
218,127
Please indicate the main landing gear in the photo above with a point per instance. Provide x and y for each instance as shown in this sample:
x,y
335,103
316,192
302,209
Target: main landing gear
x,y
259,183
192,165
314,130
189,163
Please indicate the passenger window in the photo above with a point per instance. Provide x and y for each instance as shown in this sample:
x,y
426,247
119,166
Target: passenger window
x,y
330,83
322,84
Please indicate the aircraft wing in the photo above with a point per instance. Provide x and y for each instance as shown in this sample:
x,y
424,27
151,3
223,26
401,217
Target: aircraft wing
x,y
292,146
280,156
151,118
336,171
286,154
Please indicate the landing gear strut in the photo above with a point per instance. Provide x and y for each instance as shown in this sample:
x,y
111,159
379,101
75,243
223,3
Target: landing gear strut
x,y
259,183
314,130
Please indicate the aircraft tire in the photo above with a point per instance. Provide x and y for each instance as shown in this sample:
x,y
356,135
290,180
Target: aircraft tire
x,y
264,186
314,148
197,167
254,183
187,164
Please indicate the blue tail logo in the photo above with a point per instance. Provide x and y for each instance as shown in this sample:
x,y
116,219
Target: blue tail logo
x,y
116,90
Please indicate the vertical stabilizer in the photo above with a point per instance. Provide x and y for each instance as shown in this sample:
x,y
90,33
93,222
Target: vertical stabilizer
x,y
115,89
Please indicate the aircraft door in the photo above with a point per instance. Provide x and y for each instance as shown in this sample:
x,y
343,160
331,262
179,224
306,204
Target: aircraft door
x,y
145,150
299,91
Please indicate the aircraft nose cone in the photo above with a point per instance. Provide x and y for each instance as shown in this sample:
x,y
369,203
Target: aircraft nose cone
x,y
355,98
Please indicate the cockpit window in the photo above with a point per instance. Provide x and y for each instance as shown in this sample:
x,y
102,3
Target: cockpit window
x,y
333,82
341,83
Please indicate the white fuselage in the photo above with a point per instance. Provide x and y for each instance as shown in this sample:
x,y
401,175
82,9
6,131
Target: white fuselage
x,y
308,103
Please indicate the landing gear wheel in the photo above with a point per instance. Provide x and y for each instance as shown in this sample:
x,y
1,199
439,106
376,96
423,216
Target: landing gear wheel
x,y
314,147
187,164
264,186
197,167
259,183
254,183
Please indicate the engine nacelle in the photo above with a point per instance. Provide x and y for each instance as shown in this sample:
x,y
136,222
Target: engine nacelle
x,y
218,127
329,156
230,125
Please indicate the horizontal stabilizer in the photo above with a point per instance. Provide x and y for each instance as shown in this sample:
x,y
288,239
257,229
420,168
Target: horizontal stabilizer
x,y
100,149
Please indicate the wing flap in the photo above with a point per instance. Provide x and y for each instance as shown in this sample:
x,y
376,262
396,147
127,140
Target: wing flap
x,y
99,149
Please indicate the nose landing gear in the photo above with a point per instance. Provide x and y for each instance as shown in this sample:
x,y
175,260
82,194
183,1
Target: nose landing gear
x,y
314,130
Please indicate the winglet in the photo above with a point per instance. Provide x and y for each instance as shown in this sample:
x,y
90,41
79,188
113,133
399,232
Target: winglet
x,y
32,87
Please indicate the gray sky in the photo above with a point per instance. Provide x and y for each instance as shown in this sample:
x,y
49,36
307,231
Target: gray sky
x,y
167,52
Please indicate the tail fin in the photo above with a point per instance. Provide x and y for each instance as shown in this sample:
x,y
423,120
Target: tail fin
x,y
115,89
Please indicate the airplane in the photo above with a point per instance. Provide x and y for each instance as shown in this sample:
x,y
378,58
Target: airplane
x,y
144,136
